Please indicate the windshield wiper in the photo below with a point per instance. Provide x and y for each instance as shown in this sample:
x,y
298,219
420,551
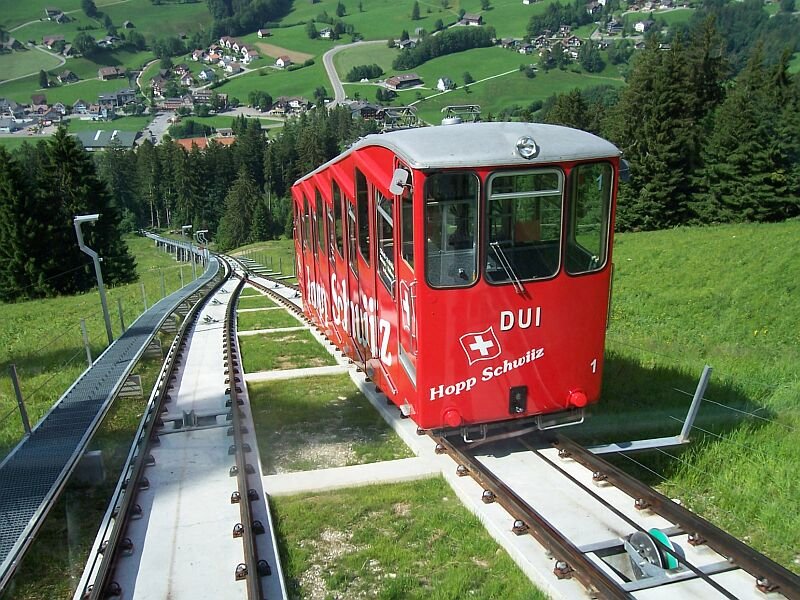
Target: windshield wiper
x,y
506,264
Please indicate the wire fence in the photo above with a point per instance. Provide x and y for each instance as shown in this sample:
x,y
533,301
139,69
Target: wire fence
x,y
44,372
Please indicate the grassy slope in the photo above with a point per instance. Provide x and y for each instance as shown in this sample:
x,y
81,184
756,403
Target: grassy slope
x,y
49,352
726,296
24,62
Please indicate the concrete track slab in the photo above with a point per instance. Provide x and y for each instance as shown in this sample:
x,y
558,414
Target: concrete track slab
x,y
294,373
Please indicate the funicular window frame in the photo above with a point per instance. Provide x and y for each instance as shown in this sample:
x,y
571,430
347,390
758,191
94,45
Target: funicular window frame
x,y
437,253
498,252
572,233
319,219
338,225
362,213
387,269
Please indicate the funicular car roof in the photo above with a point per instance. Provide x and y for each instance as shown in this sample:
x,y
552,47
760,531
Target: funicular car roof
x,y
483,145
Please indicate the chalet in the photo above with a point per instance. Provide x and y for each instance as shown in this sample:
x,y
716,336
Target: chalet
x,y
187,80
326,33
127,25
614,27
364,110
243,49
205,97
60,108
528,2
159,84
106,73
69,50
67,77
233,68
227,42
107,41
115,100
213,57
639,45
283,62
181,70
80,107
250,57
407,80
11,109
289,104
51,40
406,44
49,117
104,138
572,42
55,14
643,26
224,132
262,33
541,41
444,84
509,43
95,112
11,43
527,48
564,31
198,55
471,20
594,8
206,75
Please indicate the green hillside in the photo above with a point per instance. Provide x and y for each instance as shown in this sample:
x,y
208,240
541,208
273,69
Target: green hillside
x,y
724,296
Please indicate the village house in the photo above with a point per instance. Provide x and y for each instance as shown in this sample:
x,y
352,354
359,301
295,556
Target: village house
x,y
444,84
117,99
364,110
262,33
326,33
187,80
51,40
127,25
283,62
80,107
11,109
159,84
67,77
10,43
406,44
614,27
206,75
107,41
198,55
101,139
233,68
56,15
250,57
9,125
407,80
471,20
69,51
181,70
175,103
106,73
643,26
60,108
38,100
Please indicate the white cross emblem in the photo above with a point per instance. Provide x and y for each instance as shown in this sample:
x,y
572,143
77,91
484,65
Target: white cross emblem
x,y
480,345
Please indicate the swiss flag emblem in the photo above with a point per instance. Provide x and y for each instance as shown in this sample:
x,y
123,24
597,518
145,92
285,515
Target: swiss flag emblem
x,y
482,345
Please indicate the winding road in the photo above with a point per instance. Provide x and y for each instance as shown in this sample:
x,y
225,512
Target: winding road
x,y
336,83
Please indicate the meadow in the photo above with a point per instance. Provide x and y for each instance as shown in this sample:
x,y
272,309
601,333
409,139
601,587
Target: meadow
x,y
49,353
25,62
122,124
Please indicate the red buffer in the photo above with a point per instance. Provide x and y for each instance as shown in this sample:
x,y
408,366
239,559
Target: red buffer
x,y
466,268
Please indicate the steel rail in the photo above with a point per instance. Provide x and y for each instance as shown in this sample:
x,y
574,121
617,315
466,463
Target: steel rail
x,y
576,563
122,504
769,575
251,569
597,498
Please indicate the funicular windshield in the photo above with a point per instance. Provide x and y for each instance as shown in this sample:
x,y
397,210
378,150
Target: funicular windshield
x,y
589,218
524,225
451,229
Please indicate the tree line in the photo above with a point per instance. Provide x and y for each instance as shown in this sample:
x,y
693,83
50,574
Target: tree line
x,y
702,147
447,42
42,188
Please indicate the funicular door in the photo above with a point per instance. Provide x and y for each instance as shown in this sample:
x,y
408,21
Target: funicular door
x,y
357,247
337,281
321,250
309,256
385,354
406,280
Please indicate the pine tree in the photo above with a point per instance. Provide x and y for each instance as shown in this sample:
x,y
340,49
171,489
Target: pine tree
x,y
235,225
23,255
570,110
415,11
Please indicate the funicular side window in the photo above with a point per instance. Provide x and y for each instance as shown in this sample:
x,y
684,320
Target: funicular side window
x,y
524,225
337,218
306,223
386,266
352,239
320,221
407,221
362,207
589,218
451,229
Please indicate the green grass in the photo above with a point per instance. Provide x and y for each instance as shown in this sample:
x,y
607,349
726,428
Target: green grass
x,y
122,124
277,255
413,541
25,62
12,143
266,319
255,299
16,13
161,20
286,350
380,55
43,337
218,121
302,82
249,291
726,296
318,423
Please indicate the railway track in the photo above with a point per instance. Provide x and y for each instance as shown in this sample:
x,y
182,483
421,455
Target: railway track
x,y
184,521
618,537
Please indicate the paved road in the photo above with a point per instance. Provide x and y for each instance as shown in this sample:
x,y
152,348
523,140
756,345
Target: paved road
x,y
336,83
